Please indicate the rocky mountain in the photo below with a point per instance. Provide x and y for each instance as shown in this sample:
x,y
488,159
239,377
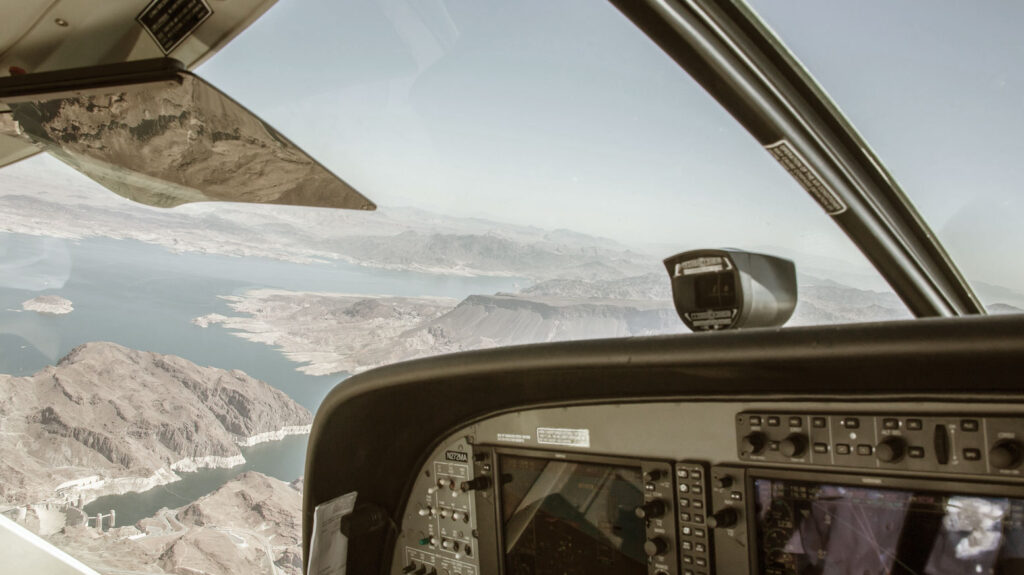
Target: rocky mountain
x,y
330,333
489,254
650,286
108,419
251,524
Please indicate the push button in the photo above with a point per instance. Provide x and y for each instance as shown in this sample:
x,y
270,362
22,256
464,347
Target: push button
x,y
755,420
864,449
969,425
821,448
915,451
890,423
842,449
971,454
796,421
774,421
818,422
851,423
915,425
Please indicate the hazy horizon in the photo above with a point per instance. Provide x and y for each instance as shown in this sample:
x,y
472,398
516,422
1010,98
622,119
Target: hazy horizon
x,y
564,115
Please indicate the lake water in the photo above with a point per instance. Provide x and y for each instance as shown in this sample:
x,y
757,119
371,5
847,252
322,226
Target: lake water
x,y
143,296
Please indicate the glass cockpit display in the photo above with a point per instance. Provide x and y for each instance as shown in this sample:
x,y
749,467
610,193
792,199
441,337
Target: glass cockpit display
x,y
571,518
806,528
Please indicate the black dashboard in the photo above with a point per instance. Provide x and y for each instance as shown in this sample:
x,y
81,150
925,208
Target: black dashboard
x,y
889,448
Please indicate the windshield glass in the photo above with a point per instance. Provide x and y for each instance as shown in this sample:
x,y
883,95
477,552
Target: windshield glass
x,y
935,91
533,163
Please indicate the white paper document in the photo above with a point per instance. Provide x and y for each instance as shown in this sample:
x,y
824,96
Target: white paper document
x,y
328,548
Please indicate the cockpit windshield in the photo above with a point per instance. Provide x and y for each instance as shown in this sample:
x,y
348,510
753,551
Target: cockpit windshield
x,y
533,163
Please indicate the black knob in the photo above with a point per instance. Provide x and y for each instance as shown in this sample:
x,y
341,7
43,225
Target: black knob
x,y
655,546
476,483
723,482
421,571
1005,454
651,509
754,443
409,568
723,518
654,475
891,449
794,445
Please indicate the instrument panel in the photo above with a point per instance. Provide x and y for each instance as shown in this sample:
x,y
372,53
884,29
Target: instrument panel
x,y
705,487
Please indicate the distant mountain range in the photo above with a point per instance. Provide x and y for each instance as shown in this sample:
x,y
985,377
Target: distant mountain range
x,y
393,238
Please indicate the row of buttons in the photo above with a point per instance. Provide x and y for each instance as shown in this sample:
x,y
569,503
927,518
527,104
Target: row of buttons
x,y
692,531
698,561
913,451
696,503
695,518
912,424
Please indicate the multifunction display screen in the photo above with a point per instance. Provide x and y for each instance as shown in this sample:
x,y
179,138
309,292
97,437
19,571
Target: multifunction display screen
x,y
812,528
570,518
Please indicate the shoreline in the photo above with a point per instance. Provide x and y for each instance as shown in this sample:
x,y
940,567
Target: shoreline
x,y
268,436
84,490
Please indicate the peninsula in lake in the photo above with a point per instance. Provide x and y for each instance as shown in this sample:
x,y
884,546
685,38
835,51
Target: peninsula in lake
x,y
108,420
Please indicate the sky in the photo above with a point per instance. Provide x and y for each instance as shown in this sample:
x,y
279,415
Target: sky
x,y
563,115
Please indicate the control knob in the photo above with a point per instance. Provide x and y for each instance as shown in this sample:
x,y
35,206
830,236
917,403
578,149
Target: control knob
x,y
476,483
723,518
653,475
723,482
794,445
891,449
655,546
1005,454
651,509
754,443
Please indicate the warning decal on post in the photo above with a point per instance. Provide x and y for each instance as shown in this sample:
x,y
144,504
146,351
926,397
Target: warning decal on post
x,y
806,177
169,22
